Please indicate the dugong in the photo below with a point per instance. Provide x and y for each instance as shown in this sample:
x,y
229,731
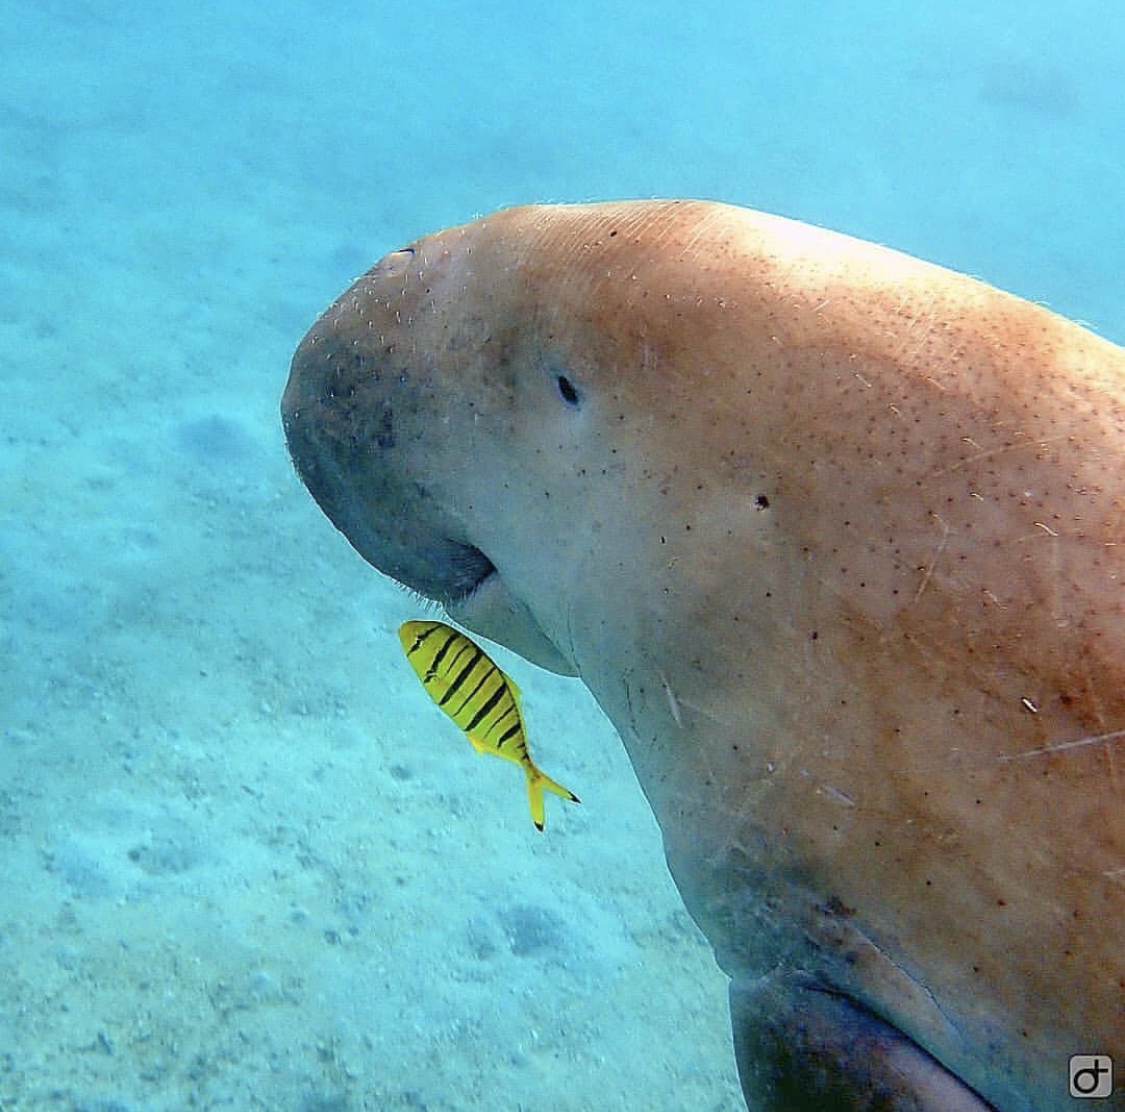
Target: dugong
x,y
833,536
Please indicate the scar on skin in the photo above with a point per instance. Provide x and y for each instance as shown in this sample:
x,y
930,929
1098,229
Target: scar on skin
x,y
676,706
836,794
958,761
929,570
1080,743
1019,446
673,702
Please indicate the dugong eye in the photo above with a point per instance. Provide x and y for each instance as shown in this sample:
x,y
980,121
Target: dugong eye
x,y
567,391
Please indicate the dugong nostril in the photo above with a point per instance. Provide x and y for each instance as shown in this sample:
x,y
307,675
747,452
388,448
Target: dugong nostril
x,y
469,568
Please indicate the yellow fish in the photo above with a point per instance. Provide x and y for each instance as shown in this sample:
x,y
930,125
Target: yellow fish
x,y
481,699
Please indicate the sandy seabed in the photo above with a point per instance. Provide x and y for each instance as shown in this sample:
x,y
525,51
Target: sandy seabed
x,y
246,863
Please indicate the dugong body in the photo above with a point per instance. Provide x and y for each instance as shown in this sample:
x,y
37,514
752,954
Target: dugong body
x,y
833,536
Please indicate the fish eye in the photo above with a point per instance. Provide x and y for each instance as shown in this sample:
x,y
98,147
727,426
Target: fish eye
x,y
567,391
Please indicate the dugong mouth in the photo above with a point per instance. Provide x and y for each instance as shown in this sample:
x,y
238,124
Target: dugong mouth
x,y
466,570
396,527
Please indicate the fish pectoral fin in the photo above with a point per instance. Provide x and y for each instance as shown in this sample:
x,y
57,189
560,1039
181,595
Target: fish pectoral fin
x,y
536,782
479,745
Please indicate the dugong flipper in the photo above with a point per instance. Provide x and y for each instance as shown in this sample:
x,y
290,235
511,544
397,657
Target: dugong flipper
x,y
833,536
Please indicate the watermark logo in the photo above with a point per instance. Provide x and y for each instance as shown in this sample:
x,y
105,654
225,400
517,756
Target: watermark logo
x,y
1091,1075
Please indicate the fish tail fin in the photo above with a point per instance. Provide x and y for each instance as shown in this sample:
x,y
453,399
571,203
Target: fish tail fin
x,y
536,782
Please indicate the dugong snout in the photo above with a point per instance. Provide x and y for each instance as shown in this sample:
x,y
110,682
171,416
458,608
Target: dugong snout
x,y
339,422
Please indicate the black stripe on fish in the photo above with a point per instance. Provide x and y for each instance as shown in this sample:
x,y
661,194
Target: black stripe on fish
x,y
438,665
461,677
489,704
420,639
498,722
469,701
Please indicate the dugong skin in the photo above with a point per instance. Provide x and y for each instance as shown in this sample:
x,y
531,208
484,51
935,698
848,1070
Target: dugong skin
x,y
829,532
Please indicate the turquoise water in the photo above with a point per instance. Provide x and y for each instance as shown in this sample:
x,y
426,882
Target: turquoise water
x,y
243,863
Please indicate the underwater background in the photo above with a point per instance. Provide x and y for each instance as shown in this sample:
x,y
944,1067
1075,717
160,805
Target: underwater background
x,y
244,862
